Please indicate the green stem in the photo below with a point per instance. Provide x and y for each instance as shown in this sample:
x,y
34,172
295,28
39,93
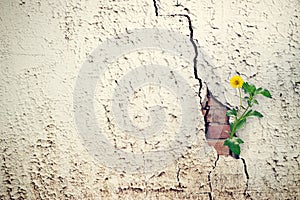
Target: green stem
x,y
233,129
240,94
242,116
236,122
237,119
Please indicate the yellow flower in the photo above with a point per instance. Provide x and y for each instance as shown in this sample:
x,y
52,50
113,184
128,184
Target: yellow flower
x,y
236,82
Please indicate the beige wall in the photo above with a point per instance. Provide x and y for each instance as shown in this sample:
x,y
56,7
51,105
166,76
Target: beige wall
x,y
65,134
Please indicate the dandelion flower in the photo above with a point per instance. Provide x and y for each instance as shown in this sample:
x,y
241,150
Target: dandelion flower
x,y
236,82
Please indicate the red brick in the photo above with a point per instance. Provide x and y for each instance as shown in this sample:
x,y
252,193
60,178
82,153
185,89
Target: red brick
x,y
217,124
218,145
213,102
217,131
219,115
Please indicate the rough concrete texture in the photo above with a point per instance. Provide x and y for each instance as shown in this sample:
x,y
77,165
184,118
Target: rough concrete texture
x,y
43,46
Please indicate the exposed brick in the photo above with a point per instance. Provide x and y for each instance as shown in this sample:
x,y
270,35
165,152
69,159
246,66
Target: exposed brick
x,y
214,116
218,145
213,102
217,115
217,124
217,131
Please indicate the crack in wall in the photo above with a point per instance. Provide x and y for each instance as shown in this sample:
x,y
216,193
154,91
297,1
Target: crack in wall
x,y
143,190
193,43
155,7
206,107
110,125
247,177
178,175
210,194
195,62
200,87
274,169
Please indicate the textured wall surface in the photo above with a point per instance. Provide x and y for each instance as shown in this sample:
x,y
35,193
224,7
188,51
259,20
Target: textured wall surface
x,y
94,107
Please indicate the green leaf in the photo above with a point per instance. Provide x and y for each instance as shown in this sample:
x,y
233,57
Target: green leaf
x,y
235,149
234,144
226,142
240,124
232,112
259,90
257,114
248,88
265,93
238,140
253,113
255,101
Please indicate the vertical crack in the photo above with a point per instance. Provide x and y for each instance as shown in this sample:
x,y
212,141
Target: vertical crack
x,y
195,62
206,109
247,177
210,194
178,175
193,43
155,7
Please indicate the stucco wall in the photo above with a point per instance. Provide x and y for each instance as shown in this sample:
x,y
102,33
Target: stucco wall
x,y
133,128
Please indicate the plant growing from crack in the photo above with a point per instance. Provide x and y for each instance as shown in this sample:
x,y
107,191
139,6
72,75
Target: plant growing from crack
x,y
241,113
